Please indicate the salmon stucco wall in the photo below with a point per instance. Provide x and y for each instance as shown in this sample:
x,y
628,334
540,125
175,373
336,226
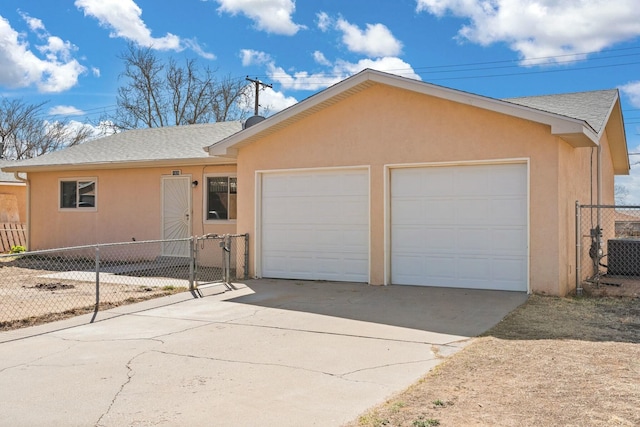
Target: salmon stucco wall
x,y
388,126
129,207
578,182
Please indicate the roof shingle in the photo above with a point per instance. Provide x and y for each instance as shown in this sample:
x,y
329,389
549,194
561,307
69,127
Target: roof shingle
x,y
139,145
592,107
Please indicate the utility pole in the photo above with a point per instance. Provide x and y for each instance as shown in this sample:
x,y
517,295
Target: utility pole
x,y
257,83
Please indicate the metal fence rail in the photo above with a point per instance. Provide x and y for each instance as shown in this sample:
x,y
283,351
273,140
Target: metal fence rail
x,y
607,246
39,286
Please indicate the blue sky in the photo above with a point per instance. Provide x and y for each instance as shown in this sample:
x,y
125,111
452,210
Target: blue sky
x,y
66,51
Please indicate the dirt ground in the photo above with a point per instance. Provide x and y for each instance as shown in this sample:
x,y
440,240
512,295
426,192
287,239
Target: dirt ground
x,y
30,297
552,362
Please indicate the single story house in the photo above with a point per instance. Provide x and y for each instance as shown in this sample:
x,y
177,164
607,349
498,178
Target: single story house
x,y
378,179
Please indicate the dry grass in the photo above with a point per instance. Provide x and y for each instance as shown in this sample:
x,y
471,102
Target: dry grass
x,y
551,362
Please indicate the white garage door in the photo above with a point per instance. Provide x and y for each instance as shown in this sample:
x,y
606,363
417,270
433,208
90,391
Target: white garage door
x,y
460,226
315,225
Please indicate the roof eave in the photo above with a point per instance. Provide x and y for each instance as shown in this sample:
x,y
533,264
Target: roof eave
x,y
618,140
209,160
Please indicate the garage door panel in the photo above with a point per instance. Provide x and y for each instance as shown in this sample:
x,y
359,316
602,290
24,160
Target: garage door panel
x,y
472,240
472,211
509,269
440,268
511,241
427,239
509,210
470,181
315,225
416,211
474,236
507,180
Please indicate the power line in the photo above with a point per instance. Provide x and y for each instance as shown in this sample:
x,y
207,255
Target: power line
x,y
460,68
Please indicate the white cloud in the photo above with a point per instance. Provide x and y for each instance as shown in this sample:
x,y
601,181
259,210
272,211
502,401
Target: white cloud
x,y
390,65
65,110
95,71
56,72
194,46
539,29
34,24
73,126
254,57
375,41
123,18
273,101
271,16
320,58
303,80
632,90
324,21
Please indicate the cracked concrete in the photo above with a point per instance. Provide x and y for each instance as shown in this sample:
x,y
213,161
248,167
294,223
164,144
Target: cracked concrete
x,y
272,353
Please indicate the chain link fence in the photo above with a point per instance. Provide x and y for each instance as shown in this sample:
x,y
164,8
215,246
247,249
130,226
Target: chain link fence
x,y
607,246
41,286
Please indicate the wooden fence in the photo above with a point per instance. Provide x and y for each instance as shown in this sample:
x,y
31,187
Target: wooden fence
x,y
12,234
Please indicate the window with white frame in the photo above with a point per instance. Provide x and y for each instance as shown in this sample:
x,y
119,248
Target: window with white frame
x,y
221,198
78,193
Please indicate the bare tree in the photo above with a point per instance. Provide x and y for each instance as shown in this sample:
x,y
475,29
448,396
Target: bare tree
x,y
25,134
157,94
620,193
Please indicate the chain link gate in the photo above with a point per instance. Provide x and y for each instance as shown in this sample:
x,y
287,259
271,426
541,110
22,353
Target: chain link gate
x,y
607,246
220,258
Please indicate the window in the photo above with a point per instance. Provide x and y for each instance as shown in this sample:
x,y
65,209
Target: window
x,y
221,197
77,194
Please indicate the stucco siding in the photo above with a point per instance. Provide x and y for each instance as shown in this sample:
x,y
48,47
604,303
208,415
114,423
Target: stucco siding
x,y
128,207
387,126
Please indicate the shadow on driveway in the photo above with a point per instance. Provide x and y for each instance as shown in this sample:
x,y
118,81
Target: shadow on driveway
x,y
463,312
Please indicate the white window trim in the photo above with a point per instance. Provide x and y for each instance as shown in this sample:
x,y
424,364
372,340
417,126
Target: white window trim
x,y
78,209
205,199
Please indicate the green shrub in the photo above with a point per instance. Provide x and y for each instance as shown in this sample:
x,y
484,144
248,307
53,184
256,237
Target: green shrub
x,y
18,249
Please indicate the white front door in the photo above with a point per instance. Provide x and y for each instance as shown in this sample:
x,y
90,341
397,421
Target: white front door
x,y
176,214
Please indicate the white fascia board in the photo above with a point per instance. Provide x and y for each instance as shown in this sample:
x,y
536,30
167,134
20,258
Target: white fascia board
x,y
123,165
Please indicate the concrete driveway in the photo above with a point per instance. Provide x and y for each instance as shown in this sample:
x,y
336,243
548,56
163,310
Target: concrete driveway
x,y
272,353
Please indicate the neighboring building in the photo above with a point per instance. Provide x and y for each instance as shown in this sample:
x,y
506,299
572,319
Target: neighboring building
x,y
13,197
377,179
627,223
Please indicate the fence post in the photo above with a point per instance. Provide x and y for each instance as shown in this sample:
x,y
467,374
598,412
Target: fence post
x,y
578,250
193,251
246,256
227,259
97,307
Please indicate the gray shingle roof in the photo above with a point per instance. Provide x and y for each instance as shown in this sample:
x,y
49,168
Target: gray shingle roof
x,y
140,145
592,107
